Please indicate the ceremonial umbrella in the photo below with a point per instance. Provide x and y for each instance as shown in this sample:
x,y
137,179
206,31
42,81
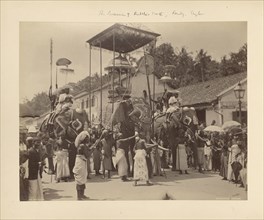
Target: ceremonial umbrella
x,y
213,128
63,62
230,124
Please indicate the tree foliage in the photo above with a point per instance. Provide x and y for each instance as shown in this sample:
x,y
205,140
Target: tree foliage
x,y
37,106
236,63
191,70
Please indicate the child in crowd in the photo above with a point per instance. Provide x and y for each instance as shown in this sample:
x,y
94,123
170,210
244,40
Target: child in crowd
x,y
62,164
140,165
80,172
208,155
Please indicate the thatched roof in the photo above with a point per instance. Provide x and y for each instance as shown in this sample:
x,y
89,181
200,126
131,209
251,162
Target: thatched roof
x,y
207,92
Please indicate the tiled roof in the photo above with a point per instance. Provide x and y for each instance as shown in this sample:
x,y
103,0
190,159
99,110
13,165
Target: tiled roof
x,y
207,92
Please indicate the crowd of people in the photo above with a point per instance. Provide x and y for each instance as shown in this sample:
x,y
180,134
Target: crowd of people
x,y
38,154
223,153
104,151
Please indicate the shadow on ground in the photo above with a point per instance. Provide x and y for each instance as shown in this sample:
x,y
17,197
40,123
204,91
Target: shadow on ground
x,y
175,176
52,194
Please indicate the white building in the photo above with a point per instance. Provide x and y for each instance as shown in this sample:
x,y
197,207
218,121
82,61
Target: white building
x,y
136,84
215,99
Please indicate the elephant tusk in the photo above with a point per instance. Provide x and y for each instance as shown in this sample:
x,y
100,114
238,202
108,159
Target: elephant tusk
x,y
160,147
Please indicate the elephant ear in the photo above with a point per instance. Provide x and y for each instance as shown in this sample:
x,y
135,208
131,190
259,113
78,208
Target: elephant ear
x,y
187,120
194,116
119,113
189,116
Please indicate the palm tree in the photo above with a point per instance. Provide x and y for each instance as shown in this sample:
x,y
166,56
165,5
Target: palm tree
x,y
201,62
184,67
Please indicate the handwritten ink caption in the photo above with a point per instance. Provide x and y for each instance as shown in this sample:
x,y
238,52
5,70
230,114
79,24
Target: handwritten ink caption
x,y
173,13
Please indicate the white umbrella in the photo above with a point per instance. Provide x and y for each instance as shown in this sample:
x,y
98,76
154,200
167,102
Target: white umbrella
x,y
230,124
32,129
213,128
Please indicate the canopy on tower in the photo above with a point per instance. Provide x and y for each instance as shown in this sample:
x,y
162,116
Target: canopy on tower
x,y
119,62
125,38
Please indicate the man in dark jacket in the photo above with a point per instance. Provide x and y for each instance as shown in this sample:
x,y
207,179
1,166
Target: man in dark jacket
x,y
34,164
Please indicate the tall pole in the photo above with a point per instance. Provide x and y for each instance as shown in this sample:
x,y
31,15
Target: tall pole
x,y
153,90
51,54
56,78
239,103
113,72
147,75
90,83
101,91
152,113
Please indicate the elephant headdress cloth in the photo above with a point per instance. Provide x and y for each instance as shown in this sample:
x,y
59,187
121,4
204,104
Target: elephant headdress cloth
x,y
118,114
79,139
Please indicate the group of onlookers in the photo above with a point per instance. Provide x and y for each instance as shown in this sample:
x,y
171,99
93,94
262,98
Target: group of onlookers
x,y
225,153
99,146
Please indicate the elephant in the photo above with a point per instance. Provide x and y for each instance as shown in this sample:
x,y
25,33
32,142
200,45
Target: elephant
x,y
131,115
173,129
66,125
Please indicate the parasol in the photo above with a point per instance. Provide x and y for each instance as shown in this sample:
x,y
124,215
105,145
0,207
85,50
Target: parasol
x,y
230,124
213,128
63,62
236,130
32,129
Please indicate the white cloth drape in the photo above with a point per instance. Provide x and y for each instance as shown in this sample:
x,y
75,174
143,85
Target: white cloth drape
x,y
35,191
181,161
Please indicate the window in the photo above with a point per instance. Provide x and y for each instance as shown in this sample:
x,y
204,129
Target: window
x,y
87,102
201,115
235,116
93,100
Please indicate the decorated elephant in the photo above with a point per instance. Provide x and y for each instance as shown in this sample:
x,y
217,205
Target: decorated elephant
x,y
65,126
130,115
174,128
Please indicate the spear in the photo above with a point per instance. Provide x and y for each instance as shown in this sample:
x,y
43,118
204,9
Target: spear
x,y
50,90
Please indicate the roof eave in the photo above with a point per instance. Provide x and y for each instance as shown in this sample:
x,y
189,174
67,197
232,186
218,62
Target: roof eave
x,y
230,88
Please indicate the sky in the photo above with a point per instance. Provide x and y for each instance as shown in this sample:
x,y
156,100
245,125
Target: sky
x,y
69,41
